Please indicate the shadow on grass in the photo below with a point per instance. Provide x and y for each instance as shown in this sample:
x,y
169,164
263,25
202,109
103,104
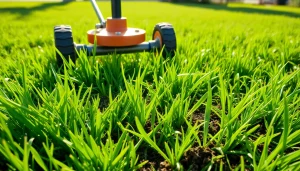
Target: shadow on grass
x,y
241,9
26,11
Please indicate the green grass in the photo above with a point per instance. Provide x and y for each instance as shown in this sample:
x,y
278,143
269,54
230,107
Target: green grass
x,y
228,100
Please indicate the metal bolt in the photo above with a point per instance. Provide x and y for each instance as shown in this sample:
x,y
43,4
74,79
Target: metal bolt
x,y
98,25
137,31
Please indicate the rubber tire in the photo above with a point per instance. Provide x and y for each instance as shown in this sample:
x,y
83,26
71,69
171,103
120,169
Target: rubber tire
x,y
64,43
168,37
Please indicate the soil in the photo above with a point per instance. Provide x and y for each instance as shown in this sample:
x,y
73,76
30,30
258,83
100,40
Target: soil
x,y
196,158
214,125
155,160
147,126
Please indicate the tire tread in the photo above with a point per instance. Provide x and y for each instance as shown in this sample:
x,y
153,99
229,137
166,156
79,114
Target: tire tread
x,y
168,38
64,43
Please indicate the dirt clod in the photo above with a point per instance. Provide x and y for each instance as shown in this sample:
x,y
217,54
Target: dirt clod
x,y
164,166
197,158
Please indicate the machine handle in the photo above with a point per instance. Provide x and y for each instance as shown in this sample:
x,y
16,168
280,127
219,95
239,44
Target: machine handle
x,y
98,13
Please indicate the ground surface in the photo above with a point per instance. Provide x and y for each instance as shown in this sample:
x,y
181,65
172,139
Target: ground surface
x,y
229,99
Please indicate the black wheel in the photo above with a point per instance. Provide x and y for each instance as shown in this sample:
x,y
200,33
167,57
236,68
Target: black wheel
x,y
166,35
64,43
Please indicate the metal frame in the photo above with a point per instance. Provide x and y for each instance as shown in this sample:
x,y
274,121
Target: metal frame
x,y
101,50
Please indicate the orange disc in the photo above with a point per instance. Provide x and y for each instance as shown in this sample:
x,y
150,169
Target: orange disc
x,y
116,34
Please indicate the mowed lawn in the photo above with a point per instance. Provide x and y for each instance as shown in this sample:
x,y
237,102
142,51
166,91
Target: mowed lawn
x,y
228,100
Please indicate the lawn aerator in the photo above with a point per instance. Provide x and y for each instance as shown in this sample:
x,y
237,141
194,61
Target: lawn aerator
x,y
113,36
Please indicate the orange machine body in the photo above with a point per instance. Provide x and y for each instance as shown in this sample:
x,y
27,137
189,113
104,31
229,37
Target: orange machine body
x,y
116,34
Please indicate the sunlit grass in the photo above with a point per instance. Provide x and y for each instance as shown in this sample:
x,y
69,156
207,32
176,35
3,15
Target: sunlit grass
x,y
229,99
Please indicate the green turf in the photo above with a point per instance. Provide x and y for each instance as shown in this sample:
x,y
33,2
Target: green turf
x,y
228,100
